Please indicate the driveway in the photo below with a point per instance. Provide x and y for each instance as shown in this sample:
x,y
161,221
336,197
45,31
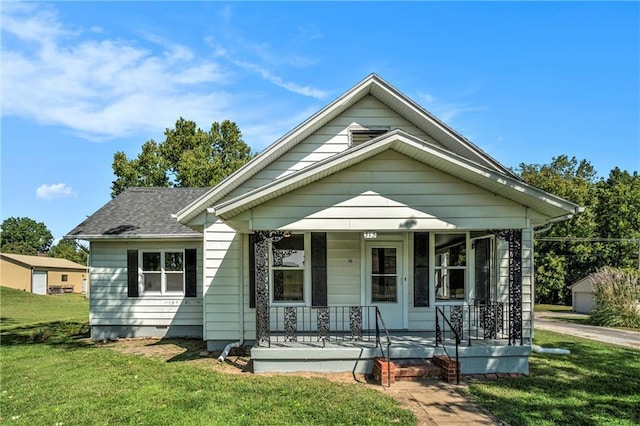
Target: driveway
x,y
547,321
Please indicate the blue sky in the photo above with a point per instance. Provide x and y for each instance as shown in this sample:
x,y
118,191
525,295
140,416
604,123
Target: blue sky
x,y
82,80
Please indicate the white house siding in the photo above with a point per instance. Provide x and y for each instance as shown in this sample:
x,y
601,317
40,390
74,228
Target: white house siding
x,y
389,192
113,314
222,278
331,139
343,268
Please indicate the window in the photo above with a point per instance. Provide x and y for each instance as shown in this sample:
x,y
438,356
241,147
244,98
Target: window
x,y
450,266
359,135
65,278
484,252
287,268
163,272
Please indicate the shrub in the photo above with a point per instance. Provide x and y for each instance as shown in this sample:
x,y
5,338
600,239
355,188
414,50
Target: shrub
x,y
616,293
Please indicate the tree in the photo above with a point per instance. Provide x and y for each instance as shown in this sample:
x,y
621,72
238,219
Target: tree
x,y
188,157
559,264
70,250
618,212
22,235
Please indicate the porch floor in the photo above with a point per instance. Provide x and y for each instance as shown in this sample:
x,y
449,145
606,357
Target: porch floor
x,y
335,355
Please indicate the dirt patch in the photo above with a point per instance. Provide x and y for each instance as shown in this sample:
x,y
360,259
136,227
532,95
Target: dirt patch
x,y
238,361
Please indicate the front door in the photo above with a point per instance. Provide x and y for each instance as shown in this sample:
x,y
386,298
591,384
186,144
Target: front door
x,y
384,282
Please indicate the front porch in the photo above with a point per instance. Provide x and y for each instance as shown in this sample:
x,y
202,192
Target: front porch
x,y
482,357
349,338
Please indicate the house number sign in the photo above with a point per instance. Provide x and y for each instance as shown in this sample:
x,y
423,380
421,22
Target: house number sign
x,y
370,235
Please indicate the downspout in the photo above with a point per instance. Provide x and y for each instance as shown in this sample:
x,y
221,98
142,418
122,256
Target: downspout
x,y
239,343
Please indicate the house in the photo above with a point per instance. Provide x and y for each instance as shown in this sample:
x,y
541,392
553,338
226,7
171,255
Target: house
x,y
370,229
582,299
42,274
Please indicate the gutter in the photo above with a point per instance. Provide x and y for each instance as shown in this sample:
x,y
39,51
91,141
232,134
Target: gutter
x,y
550,222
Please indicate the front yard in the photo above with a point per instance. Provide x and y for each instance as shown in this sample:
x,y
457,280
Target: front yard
x,y
52,374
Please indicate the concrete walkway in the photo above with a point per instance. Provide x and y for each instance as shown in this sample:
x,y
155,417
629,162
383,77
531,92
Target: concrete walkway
x,y
438,403
546,321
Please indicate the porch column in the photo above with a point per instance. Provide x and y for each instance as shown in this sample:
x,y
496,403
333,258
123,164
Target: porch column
x,y
514,239
261,253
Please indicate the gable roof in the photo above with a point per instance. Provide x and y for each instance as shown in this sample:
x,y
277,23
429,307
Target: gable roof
x,y
43,261
453,164
372,85
140,213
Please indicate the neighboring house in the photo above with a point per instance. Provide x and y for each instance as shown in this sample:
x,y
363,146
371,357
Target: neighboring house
x,y
42,274
582,299
371,217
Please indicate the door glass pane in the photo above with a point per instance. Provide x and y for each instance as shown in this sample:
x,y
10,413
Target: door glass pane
x,y
483,270
383,260
384,280
384,289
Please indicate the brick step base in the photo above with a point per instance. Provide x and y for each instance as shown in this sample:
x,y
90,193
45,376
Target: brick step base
x,y
414,369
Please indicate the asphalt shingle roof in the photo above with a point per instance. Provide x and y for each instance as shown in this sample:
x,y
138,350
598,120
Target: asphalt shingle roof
x,y
140,212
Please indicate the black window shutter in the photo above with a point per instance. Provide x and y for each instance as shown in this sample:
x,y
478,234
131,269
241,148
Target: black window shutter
x,y
319,268
132,273
190,272
421,269
252,270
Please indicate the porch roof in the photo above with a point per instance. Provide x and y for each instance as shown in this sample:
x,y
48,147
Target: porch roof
x,y
547,205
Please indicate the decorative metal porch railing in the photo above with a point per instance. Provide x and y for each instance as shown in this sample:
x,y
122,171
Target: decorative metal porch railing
x,y
323,324
479,320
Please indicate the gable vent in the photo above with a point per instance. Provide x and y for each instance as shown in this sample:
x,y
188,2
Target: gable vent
x,y
360,135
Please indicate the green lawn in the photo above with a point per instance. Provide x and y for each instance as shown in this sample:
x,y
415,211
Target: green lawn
x,y
597,384
551,308
52,375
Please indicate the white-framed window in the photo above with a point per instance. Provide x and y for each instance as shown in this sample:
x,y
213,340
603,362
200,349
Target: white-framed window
x,y
162,271
450,266
288,270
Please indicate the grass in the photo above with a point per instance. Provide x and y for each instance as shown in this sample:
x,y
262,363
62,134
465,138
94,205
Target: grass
x,y
551,308
51,374
597,384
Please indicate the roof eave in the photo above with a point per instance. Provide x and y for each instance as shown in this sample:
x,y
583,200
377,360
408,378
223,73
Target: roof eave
x,y
93,237
231,208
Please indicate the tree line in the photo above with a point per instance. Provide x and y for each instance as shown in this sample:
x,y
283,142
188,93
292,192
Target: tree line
x,y
607,233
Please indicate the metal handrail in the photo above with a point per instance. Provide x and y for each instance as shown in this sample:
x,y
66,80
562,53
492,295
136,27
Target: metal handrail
x,y
379,343
439,340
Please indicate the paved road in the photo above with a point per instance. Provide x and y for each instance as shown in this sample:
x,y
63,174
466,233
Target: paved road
x,y
626,338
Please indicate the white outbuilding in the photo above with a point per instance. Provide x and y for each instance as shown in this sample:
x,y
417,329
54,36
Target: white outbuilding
x,y
582,295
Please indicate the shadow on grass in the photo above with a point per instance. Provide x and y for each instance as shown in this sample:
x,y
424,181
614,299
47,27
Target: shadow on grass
x,y
596,384
65,334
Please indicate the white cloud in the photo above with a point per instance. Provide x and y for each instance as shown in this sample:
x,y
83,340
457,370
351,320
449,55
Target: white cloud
x,y
101,87
56,190
290,86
